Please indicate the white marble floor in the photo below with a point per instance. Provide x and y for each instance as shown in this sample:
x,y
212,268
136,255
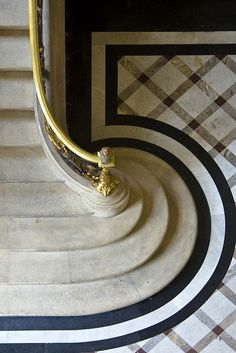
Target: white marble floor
x,y
196,94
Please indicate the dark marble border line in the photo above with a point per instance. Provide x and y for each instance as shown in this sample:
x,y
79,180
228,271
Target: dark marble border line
x,y
78,91
153,16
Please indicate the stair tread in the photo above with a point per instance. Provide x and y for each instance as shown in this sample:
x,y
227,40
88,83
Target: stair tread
x,y
14,51
14,14
71,299
25,164
16,90
18,128
85,265
68,233
39,200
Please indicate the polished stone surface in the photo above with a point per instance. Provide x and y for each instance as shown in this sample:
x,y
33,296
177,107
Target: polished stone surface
x,y
14,50
212,328
117,256
18,128
18,85
14,19
25,164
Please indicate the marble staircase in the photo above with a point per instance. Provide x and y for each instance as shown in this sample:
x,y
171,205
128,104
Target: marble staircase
x,y
31,193
52,250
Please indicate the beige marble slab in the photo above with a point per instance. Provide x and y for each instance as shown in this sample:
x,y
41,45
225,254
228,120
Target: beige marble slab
x,y
110,261
69,233
14,50
25,164
18,128
14,14
40,199
16,90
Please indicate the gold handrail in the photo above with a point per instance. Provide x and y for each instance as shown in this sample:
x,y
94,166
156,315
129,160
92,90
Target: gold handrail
x,y
38,80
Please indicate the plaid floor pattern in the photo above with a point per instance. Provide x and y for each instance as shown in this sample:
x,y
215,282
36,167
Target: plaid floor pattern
x,y
196,94
193,93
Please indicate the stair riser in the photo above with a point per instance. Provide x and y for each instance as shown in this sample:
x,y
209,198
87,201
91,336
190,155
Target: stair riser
x,y
73,233
25,164
14,50
14,13
18,128
39,200
16,90
63,299
41,268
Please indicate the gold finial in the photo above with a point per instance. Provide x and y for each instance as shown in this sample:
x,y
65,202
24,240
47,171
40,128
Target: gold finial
x,y
106,182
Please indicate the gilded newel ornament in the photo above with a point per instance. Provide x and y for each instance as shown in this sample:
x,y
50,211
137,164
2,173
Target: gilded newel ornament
x,y
103,181
106,182
101,177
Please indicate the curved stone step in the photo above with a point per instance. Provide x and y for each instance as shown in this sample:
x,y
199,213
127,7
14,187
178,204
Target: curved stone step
x,y
65,297
68,233
14,14
39,200
18,128
25,164
88,265
16,90
15,50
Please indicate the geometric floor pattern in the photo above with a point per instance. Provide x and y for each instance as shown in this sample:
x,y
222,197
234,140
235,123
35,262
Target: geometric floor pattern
x,y
207,330
195,94
211,329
